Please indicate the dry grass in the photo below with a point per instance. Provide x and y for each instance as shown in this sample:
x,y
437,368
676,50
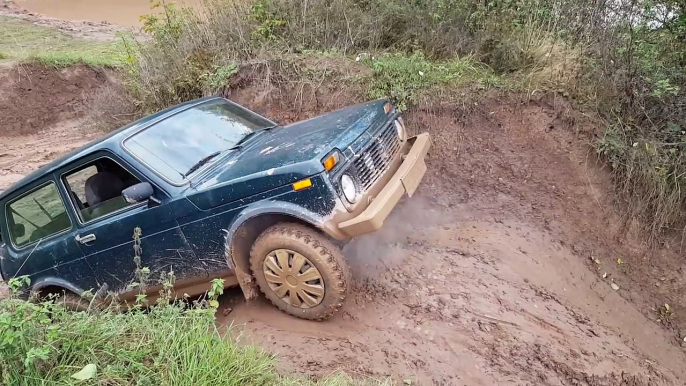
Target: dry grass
x,y
111,107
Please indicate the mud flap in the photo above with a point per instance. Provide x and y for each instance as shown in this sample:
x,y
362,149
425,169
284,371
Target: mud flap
x,y
242,272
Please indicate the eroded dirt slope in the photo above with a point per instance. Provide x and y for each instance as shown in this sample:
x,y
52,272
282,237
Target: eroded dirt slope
x,y
41,112
484,277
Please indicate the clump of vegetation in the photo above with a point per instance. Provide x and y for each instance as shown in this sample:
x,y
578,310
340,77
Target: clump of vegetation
x,y
402,77
169,344
191,52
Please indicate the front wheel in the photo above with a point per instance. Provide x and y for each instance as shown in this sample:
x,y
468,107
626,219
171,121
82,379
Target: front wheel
x,y
300,271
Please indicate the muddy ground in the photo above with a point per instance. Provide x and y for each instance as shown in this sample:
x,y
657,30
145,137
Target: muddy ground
x,y
498,271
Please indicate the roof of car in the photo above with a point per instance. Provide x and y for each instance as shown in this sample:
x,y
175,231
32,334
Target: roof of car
x,y
107,142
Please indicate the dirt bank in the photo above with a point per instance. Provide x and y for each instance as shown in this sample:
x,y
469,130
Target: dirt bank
x,y
42,110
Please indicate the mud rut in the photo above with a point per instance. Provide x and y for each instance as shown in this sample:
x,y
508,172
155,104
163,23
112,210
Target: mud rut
x,y
482,278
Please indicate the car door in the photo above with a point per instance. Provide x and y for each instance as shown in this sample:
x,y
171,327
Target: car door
x,y
39,240
105,227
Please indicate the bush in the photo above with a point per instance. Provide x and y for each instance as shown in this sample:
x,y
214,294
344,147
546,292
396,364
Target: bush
x,y
190,52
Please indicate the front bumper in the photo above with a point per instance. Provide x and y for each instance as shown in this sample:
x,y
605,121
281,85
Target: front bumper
x,y
406,179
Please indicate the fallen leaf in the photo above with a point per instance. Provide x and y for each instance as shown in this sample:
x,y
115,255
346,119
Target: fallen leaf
x,y
666,306
597,261
620,261
614,286
604,275
407,381
87,372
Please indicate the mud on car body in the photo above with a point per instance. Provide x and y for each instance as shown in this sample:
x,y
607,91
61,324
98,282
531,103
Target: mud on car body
x,y
218,191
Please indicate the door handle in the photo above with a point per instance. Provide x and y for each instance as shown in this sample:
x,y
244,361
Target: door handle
x,y
85,239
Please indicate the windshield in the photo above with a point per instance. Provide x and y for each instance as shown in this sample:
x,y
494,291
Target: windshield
x,y
175,145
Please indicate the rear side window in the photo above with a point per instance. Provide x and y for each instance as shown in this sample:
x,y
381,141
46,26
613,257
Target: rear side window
x,y
37,215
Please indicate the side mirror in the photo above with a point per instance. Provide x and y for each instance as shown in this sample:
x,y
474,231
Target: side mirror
x,y
138,193
18,230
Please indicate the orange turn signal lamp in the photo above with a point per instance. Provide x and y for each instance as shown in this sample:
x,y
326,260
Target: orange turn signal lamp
x,y
330,161
388,107
302,184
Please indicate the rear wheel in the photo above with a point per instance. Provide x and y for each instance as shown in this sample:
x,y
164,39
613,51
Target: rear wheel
x,y
300,271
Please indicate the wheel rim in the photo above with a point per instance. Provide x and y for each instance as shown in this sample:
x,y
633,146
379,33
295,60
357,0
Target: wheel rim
x,y
293,278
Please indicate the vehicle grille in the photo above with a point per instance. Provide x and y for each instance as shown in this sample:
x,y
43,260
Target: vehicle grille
x,y
375,159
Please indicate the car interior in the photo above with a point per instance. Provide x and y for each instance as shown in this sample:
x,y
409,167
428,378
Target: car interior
x,y
96,188
36,215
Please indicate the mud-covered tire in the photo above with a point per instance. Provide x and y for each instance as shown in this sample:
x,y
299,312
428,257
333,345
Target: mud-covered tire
x,y
320,251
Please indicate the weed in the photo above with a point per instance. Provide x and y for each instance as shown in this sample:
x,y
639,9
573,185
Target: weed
x,y
219,78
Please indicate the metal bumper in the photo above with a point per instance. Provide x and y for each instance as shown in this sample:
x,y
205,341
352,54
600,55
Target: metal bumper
x,y
405,180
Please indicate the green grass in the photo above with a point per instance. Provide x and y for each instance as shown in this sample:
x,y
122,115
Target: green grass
x,y
402,77
43,344
21,41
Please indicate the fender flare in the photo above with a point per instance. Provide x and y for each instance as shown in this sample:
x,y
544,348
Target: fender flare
x,y
54,282
241,266
273,207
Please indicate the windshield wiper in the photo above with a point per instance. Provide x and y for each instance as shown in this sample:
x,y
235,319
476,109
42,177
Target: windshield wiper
x,y
240,143
201,163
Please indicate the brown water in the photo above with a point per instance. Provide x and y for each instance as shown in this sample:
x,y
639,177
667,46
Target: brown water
x,y
121,12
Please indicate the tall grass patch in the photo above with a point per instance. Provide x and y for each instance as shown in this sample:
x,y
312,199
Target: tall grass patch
x,y
168,345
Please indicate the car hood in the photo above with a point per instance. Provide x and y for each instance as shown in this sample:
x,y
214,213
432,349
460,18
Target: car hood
x,y
284,155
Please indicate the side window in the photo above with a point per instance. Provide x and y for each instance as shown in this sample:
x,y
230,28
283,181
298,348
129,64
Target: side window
x,y
37,215
95,188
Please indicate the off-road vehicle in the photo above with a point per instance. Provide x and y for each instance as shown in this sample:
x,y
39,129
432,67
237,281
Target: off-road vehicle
x,y
217,191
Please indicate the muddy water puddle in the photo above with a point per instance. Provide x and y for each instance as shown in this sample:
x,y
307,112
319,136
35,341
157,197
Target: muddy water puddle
x,y
121,12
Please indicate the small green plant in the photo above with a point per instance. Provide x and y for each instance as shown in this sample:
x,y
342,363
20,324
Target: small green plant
x,y
216,289
268,22
166,23
219,78
16,284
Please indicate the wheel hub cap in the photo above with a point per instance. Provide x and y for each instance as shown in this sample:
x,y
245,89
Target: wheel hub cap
x,y
294,278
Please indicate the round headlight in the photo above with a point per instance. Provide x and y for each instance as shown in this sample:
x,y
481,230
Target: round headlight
x,y
349,188
400,129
